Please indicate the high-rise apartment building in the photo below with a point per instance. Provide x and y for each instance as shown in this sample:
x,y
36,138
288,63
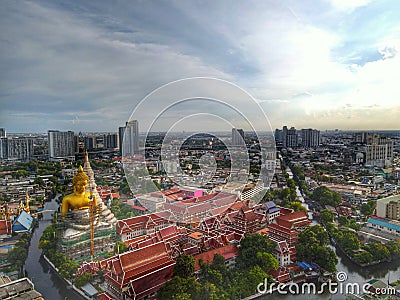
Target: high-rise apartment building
x,y
238,137
111,141
290,138
3,148
379,151
278,137
3,133
20,149
129,138
16,148
121,132
89,142
393,210
61,145
310,138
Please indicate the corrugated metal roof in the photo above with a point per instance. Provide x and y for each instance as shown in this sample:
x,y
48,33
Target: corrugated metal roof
x,y
89,290
383,223
24,219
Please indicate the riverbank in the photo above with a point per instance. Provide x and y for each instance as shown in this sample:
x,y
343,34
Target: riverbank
x,y
45,279
66,281
337,247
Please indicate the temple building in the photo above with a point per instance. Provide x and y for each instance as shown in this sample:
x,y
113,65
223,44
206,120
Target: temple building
x,y
287,227
139,274
87,225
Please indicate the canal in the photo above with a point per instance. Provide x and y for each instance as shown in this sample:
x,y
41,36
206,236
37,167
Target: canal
x,y
46,280
355,274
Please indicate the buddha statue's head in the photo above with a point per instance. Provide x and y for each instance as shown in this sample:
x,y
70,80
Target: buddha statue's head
x,y
80,181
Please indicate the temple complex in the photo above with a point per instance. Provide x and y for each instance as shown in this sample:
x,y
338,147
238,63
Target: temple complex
x,y
87,226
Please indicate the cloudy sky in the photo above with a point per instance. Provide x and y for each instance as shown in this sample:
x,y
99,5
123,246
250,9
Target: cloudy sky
x,y
84,65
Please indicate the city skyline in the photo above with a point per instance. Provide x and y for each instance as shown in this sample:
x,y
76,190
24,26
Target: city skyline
x,y
84,67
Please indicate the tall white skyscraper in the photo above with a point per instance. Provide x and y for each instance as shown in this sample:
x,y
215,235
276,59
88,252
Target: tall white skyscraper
x,y
129,137
238,137
61,145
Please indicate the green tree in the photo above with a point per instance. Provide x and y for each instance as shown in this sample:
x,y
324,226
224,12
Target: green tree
x,y
367,209
363,257
39,180
394,248
313,247
296,206
379,251
348,241
326,216
250,246
178,288
17,256
120,247
68,268
267,261
83,279
184,266
325,196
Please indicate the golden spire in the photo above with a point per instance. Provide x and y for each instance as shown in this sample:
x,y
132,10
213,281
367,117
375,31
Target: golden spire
x,y
27,209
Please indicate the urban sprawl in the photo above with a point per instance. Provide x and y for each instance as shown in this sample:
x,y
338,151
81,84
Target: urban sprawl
x,y
126,229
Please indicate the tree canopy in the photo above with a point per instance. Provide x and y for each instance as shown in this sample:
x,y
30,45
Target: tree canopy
x,y
325,196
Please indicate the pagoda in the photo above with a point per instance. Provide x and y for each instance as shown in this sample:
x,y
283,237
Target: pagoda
x,y
88,230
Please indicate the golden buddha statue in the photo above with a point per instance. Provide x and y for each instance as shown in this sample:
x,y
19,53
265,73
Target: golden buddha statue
x,y
80,199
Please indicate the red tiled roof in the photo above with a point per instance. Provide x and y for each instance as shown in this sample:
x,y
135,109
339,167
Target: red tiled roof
x,y
237,205
281,274
296,216
131,264
285,211
168,232
137,207
105,296
227,252
144,221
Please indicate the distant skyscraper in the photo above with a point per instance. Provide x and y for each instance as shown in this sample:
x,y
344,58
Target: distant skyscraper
x,y
278,136
61,145
284,136
20,149
379,151
121,131
89,142
77,143
3,148
290,138
129,138
111,141
310,138
238,137
3,133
